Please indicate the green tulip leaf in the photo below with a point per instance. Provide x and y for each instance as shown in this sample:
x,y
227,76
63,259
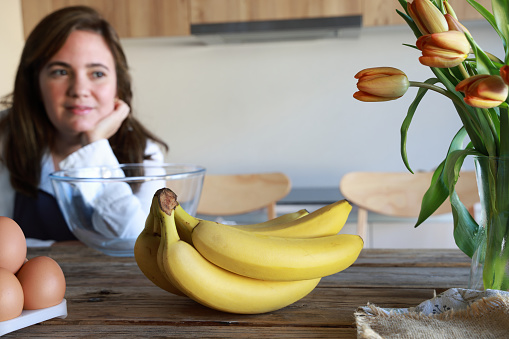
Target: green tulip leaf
x,y
438,190
408,119
498,21
447,80
403,4
470,68
456,73
440,5
453,76
488,131
434,196
500,10
485,13
465,227
484,64
494,118
411,46
410,22
470,121
504,134
453,165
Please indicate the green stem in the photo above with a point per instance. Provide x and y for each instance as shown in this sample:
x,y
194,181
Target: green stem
x,y
436,89
504,130
451,96
463,71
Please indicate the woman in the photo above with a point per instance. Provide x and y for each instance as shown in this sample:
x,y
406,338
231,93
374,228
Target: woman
x,y
70,108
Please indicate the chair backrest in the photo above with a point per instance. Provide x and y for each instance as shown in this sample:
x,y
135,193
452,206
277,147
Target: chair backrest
x,y
242,193
399,194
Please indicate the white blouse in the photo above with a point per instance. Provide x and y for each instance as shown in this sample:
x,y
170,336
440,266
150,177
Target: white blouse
x,y
117,212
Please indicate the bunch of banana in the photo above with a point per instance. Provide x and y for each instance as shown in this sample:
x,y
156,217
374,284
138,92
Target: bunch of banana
x,y
147,243
241,269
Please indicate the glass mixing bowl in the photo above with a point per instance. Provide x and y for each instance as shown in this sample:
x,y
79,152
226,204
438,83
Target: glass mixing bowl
x,y
106,207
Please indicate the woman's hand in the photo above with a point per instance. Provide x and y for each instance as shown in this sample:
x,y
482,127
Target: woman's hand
x,y
109,125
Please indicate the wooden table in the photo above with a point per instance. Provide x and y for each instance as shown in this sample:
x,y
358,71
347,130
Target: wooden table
x,y
110,297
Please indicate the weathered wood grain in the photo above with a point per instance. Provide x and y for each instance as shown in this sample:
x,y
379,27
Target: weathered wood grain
x,y
110,297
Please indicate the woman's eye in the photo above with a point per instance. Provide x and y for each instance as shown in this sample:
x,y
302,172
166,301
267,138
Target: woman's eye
x,y
58,72
98,74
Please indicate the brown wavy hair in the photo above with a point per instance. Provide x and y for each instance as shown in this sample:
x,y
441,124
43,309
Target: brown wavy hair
x,y
26,131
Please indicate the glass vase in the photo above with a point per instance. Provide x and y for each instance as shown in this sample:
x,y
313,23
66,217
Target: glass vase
x,y
490,269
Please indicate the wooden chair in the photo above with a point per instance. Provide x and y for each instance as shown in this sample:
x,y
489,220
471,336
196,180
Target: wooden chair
x,y
399,194
224,195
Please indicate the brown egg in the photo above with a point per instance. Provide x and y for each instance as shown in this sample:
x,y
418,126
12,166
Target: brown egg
x,y
11,295
43,283
13,245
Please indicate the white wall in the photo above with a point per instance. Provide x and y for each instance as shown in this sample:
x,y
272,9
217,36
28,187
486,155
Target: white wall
x,y
11,42
285,106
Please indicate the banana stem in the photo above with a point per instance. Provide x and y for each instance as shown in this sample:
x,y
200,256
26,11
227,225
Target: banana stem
x,y
166,203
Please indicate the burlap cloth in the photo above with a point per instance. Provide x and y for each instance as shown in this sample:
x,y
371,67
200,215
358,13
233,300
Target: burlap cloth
x,y
456,313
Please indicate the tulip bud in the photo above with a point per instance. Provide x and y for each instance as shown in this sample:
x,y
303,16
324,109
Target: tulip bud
x,y
427,17
455,25
381,84
443,50
504,73
483,91
449,9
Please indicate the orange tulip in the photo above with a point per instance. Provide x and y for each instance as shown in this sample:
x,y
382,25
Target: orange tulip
x,y
427,17
504,73
443,50
483,91
381,84
455,25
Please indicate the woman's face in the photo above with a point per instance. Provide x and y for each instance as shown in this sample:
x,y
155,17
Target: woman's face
x,y
79,84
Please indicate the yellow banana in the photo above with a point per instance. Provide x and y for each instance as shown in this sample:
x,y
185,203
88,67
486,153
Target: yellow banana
x,y
275,258
185,222
279,220
213,286
327,220
145,253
